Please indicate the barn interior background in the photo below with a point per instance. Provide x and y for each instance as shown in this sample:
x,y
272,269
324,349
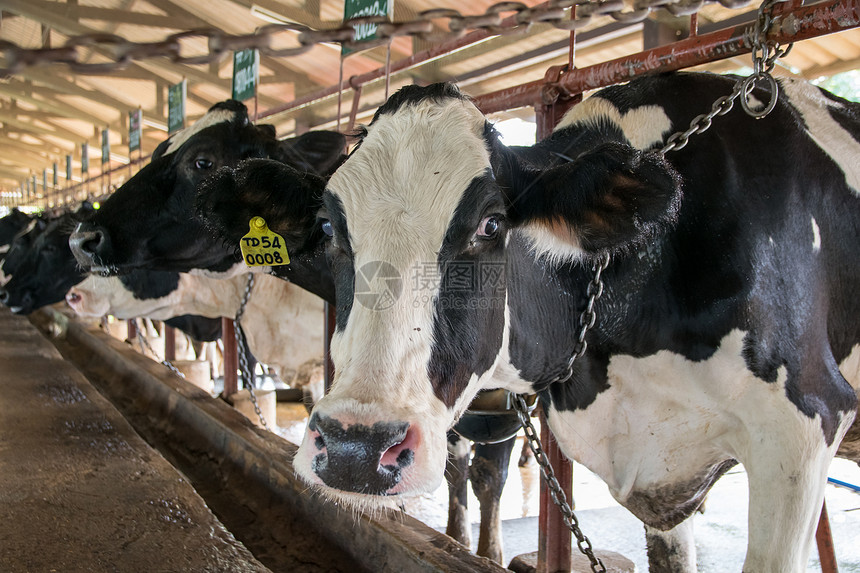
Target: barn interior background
x,y
48,111
68,130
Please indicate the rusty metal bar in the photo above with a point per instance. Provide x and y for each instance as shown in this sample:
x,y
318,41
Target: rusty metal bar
x,y
422,57
824,540
231,358
169,343
328,331
554,538
794,25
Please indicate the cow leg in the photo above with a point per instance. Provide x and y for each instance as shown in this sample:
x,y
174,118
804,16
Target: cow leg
x,y
787,469
672,551
457,474
488,474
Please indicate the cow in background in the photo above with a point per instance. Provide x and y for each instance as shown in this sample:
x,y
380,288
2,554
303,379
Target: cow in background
x,y
11,226
282,323
149,222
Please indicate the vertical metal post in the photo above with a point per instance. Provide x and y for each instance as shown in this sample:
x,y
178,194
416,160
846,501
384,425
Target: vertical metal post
x,y
554,538
231,358
169,343
824,540
329,326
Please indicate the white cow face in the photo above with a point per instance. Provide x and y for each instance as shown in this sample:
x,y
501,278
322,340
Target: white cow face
x,y
418,219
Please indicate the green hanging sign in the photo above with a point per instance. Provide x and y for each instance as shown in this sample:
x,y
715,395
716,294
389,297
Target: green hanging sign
x,y
44,180
85,158
359,8
56,180
176,107
68,167
135,122
105,146
246,74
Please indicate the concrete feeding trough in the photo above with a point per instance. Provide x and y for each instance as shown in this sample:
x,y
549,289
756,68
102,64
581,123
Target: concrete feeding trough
x,y
245,474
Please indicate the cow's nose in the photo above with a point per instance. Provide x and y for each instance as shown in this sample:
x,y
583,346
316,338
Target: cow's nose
x,y
90,244
73,298
360,458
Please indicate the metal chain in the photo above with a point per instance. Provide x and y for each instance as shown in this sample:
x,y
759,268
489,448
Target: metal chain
x,y
587,318
764,54
144,345
247,375
435,25
555,490
586,321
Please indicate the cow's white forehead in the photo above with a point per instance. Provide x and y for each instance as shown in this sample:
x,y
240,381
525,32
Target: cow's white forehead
x,y
212,117
400,188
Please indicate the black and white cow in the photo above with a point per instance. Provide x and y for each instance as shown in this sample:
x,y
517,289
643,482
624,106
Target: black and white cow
x,y
41,266
282,323
720,336
149,222
11,226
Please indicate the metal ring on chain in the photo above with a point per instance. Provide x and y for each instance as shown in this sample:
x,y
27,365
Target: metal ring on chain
x,y
749,84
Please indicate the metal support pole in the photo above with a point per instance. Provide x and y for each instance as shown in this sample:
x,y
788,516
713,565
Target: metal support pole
x,y
329,326
554,538
169,343
824,540
231,358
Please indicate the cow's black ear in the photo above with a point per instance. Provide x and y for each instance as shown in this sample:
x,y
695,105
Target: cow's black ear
x,y
320,152
285,198
610,198
268,130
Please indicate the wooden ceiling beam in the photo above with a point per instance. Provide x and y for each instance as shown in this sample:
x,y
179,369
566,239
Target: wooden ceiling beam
x,y
114,16
14,89
828,70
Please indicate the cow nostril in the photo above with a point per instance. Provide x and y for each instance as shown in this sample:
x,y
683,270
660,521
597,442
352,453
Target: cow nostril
x,y
93,243
402,453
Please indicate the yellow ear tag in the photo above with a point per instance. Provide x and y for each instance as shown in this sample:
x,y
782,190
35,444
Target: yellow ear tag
x,y
261,247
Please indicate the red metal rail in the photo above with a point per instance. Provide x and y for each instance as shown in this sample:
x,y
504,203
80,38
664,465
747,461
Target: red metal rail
x,y
796,24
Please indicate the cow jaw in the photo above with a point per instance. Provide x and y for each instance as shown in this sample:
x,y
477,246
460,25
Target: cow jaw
x,y
391,205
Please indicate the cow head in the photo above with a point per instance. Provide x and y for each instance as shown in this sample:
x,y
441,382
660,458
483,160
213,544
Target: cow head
x,y
11,225
137,293
45,270
418,223
19,247
149,222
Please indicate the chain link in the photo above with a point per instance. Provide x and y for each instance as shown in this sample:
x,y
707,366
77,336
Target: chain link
x,y
764,54
435,25
144,345
247,375
555,490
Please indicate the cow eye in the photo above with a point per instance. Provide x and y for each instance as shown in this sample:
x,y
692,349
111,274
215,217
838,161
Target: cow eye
x,y
202,163
488,227
327,228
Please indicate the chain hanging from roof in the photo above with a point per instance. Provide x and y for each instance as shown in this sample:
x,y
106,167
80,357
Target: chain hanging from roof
x,y
500,18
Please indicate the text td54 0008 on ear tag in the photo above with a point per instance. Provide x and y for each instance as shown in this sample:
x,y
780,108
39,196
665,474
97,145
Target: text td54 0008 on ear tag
x,y
261,247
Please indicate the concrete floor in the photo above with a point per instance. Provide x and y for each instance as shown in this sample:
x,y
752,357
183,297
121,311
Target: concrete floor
x,y
79,489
